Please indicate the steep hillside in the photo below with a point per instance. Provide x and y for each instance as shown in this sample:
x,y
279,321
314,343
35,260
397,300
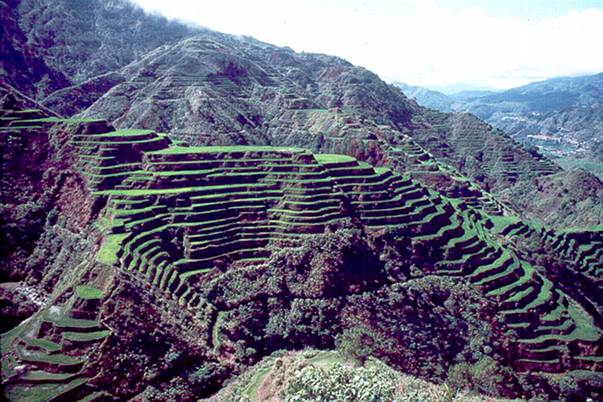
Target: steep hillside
x,y
21,65
220,89
200,202
233,252
49,45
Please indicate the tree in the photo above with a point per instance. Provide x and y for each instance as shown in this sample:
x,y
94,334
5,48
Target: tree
x,y
360,343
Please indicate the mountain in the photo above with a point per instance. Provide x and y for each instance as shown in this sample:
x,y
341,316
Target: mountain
x,y
562,116
53,45
444,102
469,94
426,97
218,89
210,201
221,89
554,94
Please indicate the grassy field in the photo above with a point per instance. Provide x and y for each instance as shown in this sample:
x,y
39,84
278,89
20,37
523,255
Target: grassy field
x,y
88,292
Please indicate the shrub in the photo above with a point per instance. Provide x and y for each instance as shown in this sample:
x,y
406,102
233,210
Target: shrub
x,y
485,376
360,343
342,383
208,378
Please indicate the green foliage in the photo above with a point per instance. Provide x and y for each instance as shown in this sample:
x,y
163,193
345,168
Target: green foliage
x,y
360,343
593,166
208,378
174,150
342,383
108,251
486,376
332,158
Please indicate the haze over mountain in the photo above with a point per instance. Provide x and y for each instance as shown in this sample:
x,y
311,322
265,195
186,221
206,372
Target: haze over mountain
x,y
562,115
184,210
518,42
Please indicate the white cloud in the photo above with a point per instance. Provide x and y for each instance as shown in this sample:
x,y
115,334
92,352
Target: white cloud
x,y
422,42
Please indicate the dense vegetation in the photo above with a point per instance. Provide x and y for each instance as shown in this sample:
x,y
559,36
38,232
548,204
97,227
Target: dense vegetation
x,y
328,376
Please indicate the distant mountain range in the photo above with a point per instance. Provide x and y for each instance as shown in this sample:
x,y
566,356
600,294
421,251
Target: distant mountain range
x,y
564,116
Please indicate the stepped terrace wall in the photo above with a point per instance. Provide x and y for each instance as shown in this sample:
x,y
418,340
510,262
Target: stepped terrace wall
x,y
176,218
190,209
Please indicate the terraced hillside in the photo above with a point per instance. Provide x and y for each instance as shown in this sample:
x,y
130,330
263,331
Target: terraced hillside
x,y
213,89
218,89
230,238
50,357
572,257
228,203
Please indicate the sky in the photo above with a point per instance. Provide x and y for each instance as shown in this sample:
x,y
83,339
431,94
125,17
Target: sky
x,y
441,44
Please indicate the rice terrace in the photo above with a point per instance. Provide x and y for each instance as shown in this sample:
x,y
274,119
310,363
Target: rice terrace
x,y
204,216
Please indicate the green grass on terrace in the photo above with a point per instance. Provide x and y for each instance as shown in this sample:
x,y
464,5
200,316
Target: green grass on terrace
x,y
82,120
46,376
585,329
45,120
42,392
14,128
381,170
26,111
108,251
217,149
333,158
226,171
126,212
43,343
64,321
112,144
124,133
205,189
58,359
146,192
501,222
88,292
86,336
598,228
592,166
53,119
